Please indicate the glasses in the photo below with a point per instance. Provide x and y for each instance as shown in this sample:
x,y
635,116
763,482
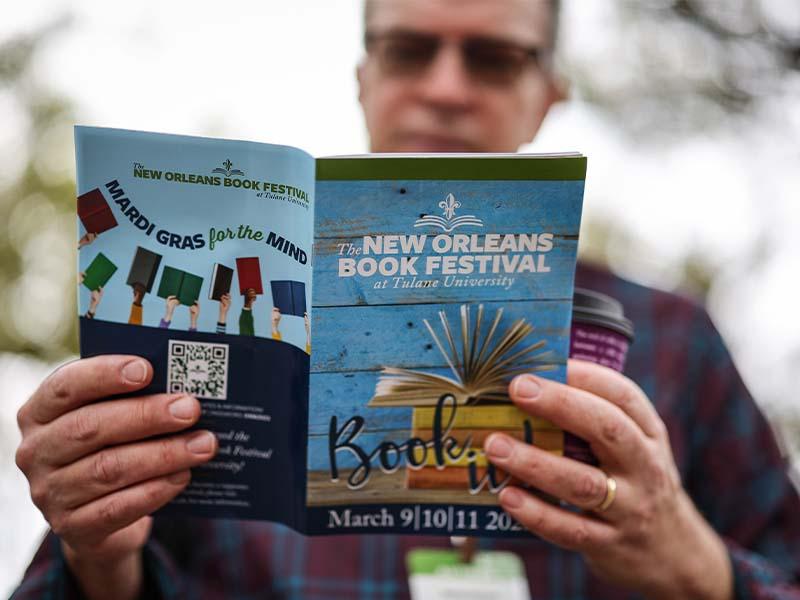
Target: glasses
x,y
487,60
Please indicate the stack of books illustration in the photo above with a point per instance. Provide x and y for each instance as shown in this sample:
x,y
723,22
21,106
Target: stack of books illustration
x,y
482,365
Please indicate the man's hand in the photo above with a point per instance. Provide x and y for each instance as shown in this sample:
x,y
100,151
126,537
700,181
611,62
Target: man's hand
x,y
651,538
94,471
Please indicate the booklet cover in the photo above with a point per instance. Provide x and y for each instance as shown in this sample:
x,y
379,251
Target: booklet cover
x,y
435,279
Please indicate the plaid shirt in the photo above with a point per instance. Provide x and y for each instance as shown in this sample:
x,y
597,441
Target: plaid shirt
x,y
725,450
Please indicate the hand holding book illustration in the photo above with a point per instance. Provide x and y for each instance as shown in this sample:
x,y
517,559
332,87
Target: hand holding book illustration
x,y
86,239
136,315
194,313
94,301
250,297
141,277
138,293
171,304
224,306
246,321
276,319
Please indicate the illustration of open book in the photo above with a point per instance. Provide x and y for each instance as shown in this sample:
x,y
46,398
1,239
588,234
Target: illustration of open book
x,y
481,371
183,285
289,297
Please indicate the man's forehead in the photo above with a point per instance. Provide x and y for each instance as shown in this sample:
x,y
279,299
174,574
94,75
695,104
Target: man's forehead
x,y
524,21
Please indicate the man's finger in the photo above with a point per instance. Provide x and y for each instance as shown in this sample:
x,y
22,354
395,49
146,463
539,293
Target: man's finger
x,y
619,390
84,381
579,484
566,529
93,522
613,435
89,428
115,468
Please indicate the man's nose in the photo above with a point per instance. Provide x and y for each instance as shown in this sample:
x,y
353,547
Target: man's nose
x,y
446,81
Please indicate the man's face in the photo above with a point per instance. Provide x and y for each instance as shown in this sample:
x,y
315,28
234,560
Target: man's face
x,y
454,101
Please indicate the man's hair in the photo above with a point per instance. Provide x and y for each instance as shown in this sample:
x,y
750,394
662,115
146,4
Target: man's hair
x,y
555,13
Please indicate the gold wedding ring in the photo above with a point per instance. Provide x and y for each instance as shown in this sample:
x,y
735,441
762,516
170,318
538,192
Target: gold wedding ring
x,y
611,493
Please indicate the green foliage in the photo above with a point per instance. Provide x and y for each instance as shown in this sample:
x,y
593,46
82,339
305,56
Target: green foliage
x,y
37,210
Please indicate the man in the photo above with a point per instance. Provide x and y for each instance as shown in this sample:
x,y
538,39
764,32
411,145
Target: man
x,y
700,507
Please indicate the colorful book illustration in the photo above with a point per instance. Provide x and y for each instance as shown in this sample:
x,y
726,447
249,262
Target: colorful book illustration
x,y
95,213
481,369
185,286
482,364
221,278
144,268
289,297
248,270
98,272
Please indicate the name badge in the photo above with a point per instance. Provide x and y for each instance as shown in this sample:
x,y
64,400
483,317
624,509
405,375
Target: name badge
x,y
442,575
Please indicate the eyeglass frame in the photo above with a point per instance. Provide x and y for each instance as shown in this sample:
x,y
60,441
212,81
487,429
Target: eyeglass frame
x,y
538,55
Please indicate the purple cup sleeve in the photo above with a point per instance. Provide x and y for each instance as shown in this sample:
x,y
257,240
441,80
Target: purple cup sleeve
x,y
604,347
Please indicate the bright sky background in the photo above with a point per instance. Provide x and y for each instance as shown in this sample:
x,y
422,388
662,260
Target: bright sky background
x,y
283,72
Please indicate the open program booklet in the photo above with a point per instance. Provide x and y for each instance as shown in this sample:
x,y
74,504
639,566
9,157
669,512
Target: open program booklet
x,y
349,324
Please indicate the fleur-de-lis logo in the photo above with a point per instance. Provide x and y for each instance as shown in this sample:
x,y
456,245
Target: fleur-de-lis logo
x,y
228,171
449,204
450,220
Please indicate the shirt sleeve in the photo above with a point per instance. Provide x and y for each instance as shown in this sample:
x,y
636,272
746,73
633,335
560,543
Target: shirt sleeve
x,y
49,578
739,478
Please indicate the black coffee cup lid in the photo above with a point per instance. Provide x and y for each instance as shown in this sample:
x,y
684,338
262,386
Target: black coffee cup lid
x,y
593,308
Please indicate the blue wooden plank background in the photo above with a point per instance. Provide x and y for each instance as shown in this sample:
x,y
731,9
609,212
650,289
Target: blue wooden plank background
x,y
347,209
369,337
358,328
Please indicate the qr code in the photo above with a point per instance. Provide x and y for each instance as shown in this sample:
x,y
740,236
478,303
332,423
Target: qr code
x,y
198,368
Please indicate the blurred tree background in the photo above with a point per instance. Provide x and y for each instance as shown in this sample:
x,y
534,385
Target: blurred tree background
x,y
684,68
37,206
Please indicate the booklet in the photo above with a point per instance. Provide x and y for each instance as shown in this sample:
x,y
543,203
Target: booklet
x,y
349,324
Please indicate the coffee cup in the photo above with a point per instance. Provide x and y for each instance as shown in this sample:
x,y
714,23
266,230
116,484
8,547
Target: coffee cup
x,y
601,334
